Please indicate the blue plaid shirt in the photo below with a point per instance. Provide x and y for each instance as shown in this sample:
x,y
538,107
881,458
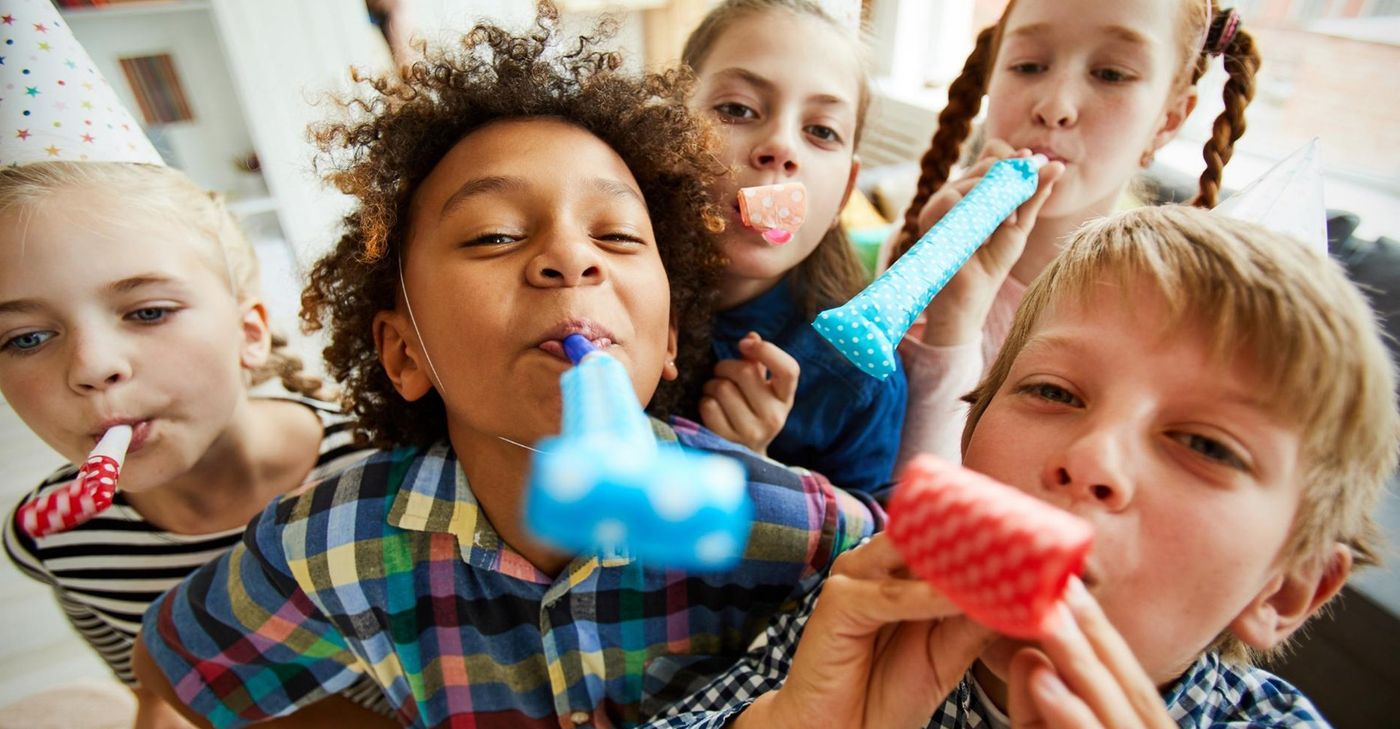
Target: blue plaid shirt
x,y
1210,694
391,570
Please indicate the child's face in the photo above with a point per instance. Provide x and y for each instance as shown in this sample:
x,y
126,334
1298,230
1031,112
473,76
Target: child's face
x,y
1088,82
1190,481
785,91
525,232
104,319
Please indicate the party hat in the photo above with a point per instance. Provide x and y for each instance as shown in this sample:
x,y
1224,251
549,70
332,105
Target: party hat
x,y
1287,199
54,104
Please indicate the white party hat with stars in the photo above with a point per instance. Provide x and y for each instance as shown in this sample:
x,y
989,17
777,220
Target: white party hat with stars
x,y
1287,199
54,104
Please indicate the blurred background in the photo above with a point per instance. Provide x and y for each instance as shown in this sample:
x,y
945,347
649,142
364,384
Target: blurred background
x,y
226,89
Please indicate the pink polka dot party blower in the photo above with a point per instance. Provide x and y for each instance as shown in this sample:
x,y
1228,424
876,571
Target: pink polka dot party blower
x,y
868,327
775,211
87,495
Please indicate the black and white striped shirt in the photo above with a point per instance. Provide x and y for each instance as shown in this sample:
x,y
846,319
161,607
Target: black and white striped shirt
x,y
107,571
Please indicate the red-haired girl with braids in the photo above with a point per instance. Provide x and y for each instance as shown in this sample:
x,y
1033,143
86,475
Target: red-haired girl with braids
x,y
1098,87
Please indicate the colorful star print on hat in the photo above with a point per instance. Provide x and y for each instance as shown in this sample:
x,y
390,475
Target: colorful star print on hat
x,y
54,104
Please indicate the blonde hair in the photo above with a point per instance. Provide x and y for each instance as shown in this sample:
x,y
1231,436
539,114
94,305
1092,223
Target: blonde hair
x,y
163,193
831,274
1288,311
1202,23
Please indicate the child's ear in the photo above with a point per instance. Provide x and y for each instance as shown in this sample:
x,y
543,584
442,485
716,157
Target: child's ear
x,y
1291,598
257,335
1178,108
669,371
401,355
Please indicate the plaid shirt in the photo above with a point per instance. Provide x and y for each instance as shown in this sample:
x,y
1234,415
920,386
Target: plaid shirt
x,y
391,570
1210,694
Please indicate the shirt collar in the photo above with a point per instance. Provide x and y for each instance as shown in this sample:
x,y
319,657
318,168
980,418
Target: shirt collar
x,y
1199,679
435,498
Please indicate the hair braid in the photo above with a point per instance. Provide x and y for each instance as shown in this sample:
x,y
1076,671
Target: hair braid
x,y
1241,63
288,368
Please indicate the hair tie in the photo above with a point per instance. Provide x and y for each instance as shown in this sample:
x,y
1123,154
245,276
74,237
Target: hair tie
x,y
1222,31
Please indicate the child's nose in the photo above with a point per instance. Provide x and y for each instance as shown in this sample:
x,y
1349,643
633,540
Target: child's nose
x,y
95,364
561,263
1057,107
775,152
1092,469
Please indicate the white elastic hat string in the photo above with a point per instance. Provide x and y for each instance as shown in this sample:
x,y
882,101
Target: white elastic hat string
x,y
437,379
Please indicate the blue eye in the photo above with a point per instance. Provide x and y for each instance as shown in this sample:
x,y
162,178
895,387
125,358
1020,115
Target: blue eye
x,y
26,342
150,314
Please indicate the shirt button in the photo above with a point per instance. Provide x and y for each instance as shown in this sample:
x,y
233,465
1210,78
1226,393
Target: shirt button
x,y
579,718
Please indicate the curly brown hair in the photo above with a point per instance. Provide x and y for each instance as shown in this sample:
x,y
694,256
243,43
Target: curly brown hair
x,y
409,120
1199,30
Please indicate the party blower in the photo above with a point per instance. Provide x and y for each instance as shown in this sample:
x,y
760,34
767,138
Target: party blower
x,y
868,327
605,484
1002,556
85,496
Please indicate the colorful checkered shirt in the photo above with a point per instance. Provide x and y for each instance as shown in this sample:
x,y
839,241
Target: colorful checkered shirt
x,y
1210,693
391,570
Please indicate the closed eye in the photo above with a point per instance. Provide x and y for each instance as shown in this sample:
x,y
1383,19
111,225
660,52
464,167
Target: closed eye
x,y
492,239
1028,67
623,238
1113,75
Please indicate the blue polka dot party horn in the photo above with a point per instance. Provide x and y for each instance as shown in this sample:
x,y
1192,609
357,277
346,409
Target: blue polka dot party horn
x,y
868,327
605,485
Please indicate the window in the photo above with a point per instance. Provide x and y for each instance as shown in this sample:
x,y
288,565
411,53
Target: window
x,y
1331,69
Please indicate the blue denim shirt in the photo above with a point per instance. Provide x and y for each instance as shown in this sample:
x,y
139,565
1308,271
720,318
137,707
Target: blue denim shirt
x,y
844,424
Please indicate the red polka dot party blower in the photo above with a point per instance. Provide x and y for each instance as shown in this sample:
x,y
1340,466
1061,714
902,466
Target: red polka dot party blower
x,y
87,495
1002,556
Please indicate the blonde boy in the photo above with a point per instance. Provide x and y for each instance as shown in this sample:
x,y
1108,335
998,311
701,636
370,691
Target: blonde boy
x,y
1217,401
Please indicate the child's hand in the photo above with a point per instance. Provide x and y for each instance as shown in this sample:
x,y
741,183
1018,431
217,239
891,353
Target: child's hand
x,y
956,315
749,399
1087,675
880,649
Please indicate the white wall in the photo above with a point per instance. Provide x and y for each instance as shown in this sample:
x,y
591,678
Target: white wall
x,y
205,147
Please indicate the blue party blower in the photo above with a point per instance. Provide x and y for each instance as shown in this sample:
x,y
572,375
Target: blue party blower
x,y
868,327
605,485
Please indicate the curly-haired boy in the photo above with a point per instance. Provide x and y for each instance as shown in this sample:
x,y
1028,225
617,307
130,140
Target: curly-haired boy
x,y
509,195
